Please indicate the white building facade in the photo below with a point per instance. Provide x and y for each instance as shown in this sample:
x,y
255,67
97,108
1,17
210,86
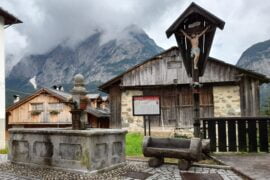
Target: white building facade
x,y
6,19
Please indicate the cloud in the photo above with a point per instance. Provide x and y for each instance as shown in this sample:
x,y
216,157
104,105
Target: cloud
x,y
48,23
246,23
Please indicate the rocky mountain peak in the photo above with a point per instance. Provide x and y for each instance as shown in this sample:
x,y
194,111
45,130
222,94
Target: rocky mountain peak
x,y
257,58
97,60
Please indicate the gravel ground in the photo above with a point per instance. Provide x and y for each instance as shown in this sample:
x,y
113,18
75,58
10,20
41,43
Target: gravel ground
x,y
12,171
52,174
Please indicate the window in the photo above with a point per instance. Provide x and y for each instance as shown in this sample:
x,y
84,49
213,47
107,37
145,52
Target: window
x,y
37,107
55,106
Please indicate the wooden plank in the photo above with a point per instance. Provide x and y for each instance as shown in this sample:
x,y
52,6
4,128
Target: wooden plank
x,y
232,135
242,138
204,129
115,106
212,135
157,72
252,136
263,136
222,135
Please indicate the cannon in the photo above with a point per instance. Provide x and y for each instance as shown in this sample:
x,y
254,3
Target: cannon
x,y
186,150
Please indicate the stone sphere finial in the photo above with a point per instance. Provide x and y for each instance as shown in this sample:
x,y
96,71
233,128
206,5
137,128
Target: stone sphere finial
x,y
79,85
78,79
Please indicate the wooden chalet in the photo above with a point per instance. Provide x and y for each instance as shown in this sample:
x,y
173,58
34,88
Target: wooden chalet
x,y
227,91
94,99
44,108
51,108
98,117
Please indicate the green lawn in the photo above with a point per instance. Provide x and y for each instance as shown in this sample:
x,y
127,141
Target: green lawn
x,y
134,144
4,151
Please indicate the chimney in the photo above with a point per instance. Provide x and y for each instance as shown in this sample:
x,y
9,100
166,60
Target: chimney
x,y
55,87
61,88
16,98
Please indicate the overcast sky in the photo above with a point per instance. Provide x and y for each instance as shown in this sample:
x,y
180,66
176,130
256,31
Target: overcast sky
x,y
49,22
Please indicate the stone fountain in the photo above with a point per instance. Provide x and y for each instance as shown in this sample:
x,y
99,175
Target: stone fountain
x,y
76,148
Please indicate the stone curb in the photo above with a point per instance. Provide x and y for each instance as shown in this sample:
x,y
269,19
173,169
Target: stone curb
x,y
94,172
212,166
194,164
136,159
232,168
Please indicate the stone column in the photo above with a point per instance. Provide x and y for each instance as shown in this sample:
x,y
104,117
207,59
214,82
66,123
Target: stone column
x,y
79,98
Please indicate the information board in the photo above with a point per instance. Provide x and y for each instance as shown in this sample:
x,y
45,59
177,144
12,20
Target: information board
x,y
146,105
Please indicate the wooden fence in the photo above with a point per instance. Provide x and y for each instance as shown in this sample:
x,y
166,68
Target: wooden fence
x,y
245,134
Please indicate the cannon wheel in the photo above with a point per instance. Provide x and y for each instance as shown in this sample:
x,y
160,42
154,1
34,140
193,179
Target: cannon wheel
x,y
184,164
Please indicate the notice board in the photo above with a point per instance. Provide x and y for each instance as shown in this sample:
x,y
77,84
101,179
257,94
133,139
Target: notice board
x,y
146,105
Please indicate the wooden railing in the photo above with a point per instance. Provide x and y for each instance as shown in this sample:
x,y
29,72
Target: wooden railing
x,y
245,134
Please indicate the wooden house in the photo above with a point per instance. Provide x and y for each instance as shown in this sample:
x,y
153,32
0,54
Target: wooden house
x,y
98,117
227,90
44,108
105,102
94,100
51,108
98,112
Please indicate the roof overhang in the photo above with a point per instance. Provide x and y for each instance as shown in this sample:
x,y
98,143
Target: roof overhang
x,y
9,19
194,9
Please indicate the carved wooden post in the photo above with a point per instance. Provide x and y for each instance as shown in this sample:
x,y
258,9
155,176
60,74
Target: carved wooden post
x,y
196,102
194,31
79,116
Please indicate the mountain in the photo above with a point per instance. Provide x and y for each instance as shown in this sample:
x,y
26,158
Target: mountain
x,y
257,58
96,59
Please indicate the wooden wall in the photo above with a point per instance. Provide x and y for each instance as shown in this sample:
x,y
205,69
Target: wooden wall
x,y
166,76
96,122
176,105
115,106
170,70
249,96
23,114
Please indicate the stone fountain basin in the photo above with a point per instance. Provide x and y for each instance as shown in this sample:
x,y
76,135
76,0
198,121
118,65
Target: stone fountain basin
x,y
79,150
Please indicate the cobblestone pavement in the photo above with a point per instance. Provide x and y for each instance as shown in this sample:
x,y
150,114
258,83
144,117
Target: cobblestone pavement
x,y
172,172
9,176
10,171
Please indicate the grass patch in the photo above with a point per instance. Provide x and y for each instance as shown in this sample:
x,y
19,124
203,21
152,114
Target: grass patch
x,y
4,151
134,144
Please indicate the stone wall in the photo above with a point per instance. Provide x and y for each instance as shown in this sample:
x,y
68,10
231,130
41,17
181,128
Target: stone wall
x,y
226,101
79,150
133,123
